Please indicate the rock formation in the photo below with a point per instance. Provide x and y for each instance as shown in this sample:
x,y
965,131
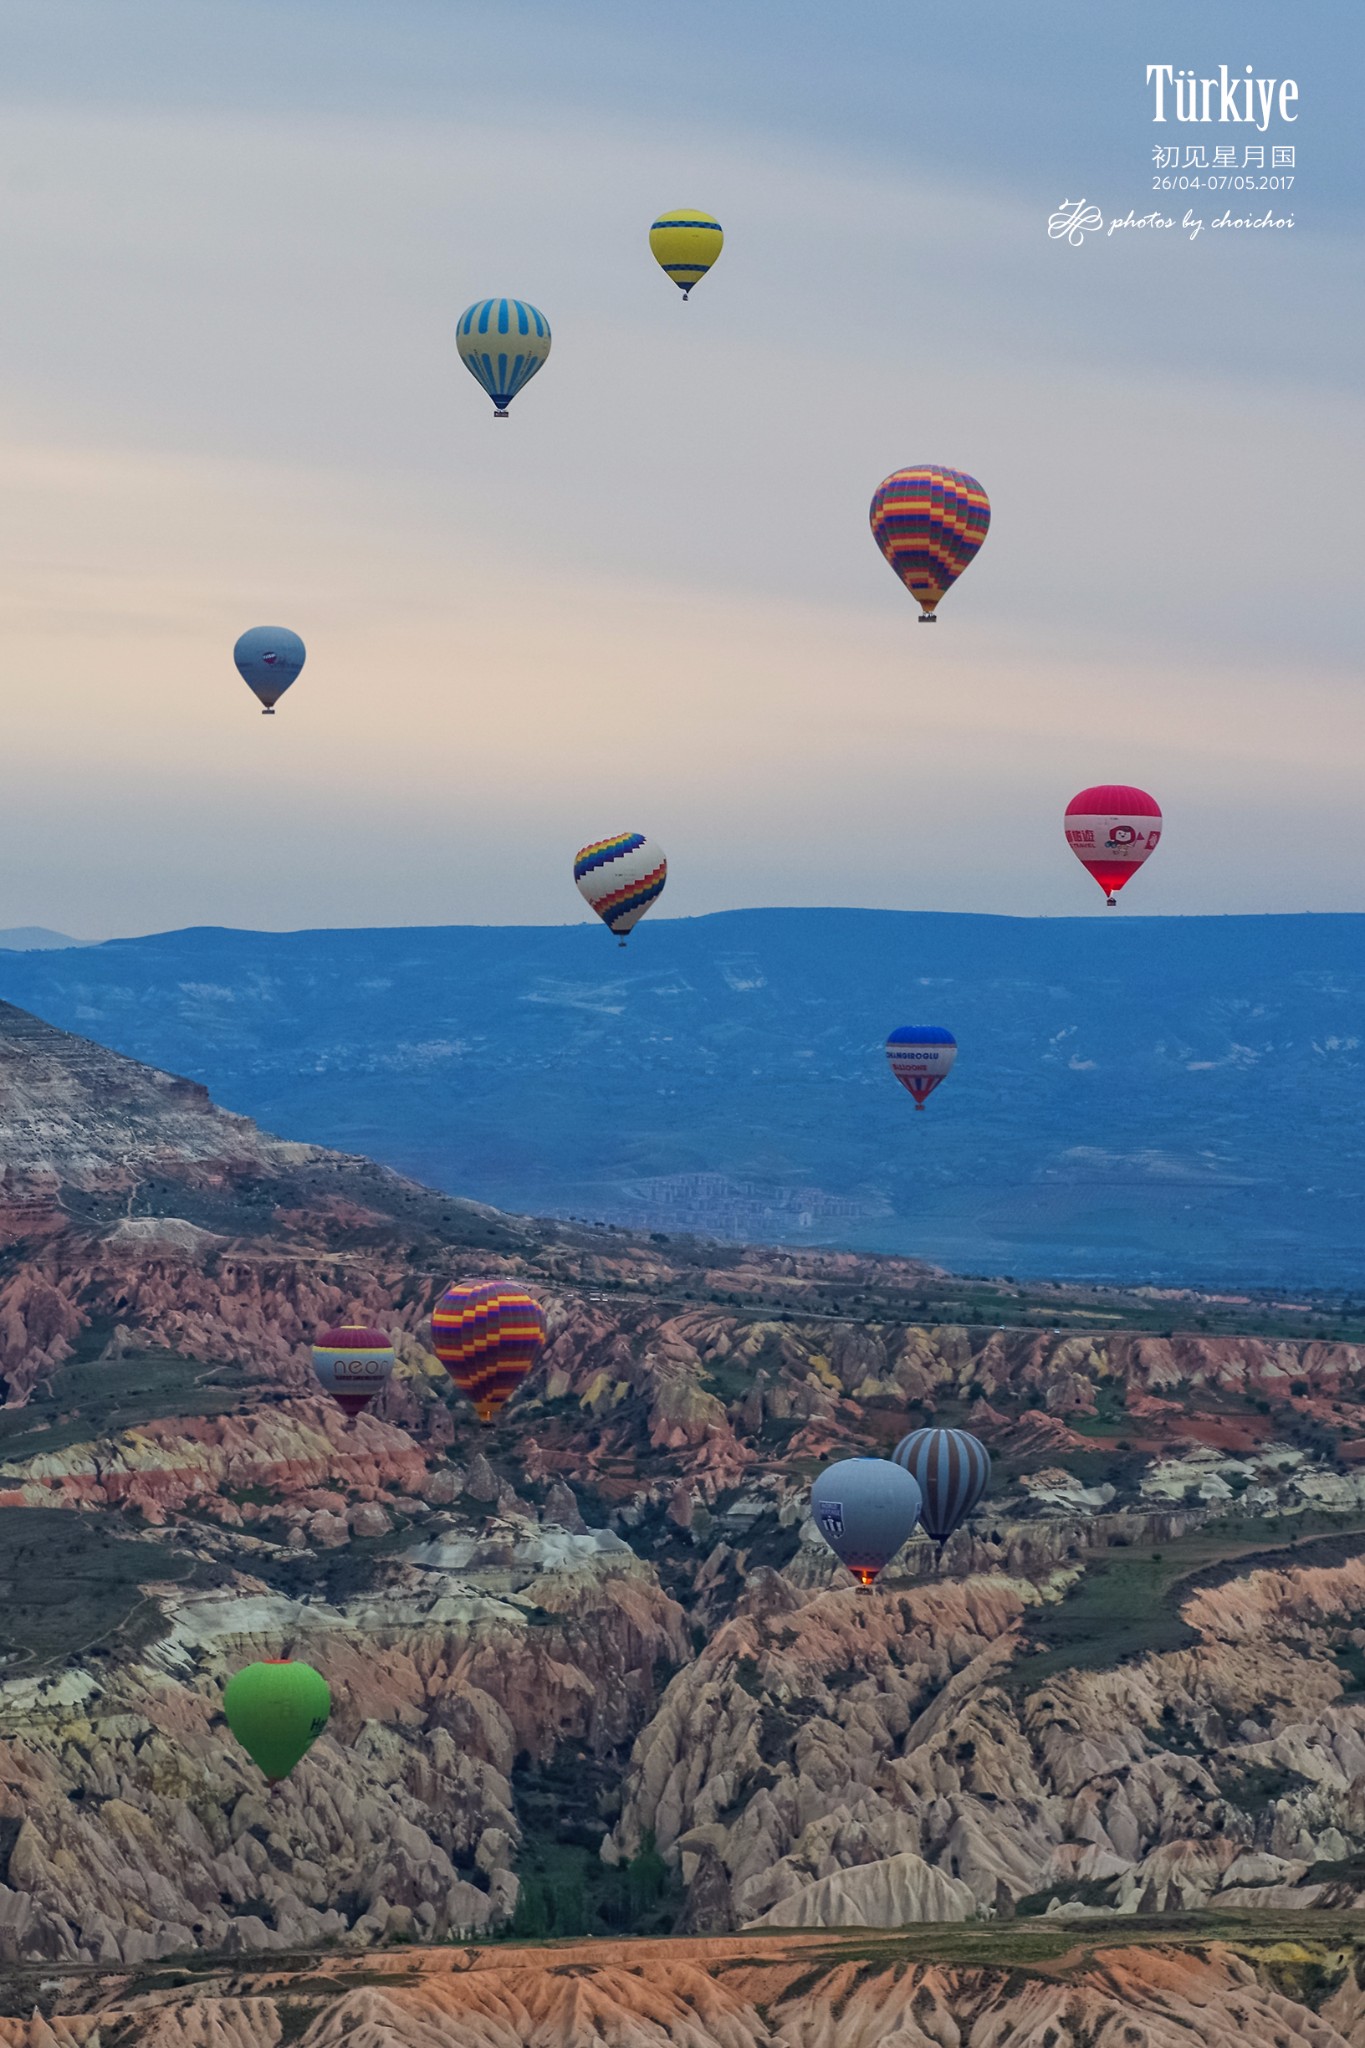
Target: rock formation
x,y
1241,1991
592,1670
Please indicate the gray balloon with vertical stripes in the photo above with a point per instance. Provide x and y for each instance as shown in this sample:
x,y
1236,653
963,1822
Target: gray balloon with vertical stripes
x,y
952,1470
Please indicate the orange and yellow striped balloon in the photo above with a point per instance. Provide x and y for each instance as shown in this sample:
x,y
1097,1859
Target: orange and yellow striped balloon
x,y
488,1336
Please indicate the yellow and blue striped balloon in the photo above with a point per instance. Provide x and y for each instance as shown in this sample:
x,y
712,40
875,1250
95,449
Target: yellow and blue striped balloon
x,y
503,342
685,243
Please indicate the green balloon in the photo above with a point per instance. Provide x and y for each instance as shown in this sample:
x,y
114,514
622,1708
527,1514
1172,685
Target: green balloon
x,y
277,1711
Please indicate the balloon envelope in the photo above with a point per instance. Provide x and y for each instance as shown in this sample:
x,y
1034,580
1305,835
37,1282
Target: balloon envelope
x,y
269,659
352,1362
502,343
277,1710
929,523
1112,829
488,1337
865,1508
685,243
620,877
921,1055
951,1469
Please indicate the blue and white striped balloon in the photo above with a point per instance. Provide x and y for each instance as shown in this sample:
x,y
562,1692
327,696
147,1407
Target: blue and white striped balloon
x,y
502,342
951,1469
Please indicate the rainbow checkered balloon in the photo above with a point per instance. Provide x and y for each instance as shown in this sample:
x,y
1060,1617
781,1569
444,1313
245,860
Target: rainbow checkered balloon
x,y
620,877
488,1336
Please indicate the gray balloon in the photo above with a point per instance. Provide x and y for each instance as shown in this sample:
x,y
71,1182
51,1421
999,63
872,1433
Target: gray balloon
x,y
865,1508
269,659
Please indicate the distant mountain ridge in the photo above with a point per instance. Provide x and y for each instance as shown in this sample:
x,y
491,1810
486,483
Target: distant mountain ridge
x,y
36,938
1169,1099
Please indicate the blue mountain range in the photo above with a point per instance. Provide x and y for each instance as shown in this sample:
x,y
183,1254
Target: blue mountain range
x,y
1174,1100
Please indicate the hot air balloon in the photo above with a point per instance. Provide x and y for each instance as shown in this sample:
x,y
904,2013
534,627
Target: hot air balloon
x,y
353,1363
502,342
951,1470
865,1508
269,659
929,523
620,878
277,1710
921,1056
488,1336
685,243
1112,829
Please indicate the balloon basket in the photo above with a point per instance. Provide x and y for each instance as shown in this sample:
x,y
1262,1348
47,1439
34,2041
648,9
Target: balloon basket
x,y
928,618
1111,902
269,711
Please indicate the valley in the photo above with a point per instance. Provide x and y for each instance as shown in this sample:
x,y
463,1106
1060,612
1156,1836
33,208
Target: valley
x,y
1217,1978
1168,1101
593,1674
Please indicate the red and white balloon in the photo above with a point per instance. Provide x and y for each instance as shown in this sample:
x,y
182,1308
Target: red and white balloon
x,y
1112,829
353,1363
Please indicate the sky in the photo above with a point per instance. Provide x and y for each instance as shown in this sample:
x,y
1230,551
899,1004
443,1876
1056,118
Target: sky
x,y
236,237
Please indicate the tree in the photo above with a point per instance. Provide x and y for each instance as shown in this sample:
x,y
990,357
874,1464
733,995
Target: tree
x,y
569,1913
531,1919
646,1879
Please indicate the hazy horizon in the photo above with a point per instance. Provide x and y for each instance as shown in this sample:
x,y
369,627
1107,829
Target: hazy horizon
x,y
659,917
